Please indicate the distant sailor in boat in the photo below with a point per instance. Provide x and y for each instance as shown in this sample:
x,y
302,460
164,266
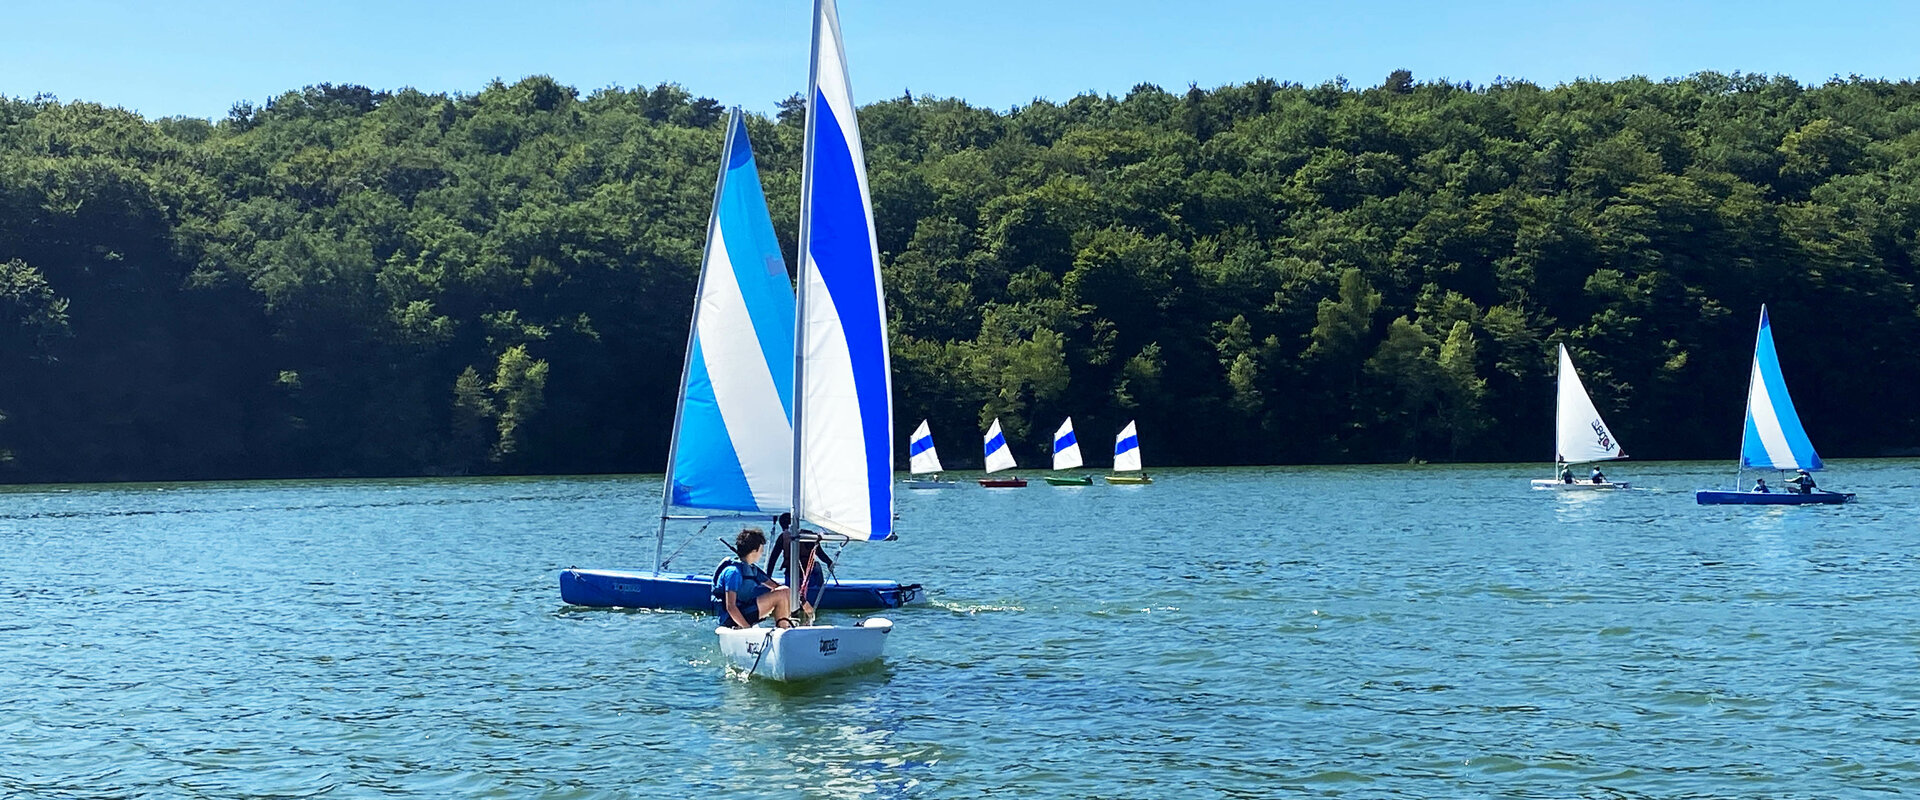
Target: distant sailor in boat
x,y
1597,477
1566,474
745,591
1760,485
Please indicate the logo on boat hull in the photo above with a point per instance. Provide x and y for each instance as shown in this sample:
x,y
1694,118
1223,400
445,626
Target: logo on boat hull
x,y
829,646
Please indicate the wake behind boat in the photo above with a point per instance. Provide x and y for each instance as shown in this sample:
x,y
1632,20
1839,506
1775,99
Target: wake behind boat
x,y
731,456
842,478
1773,439
1580,436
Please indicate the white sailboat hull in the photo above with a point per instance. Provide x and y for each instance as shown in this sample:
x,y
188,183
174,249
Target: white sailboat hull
x,y
924,483
1577,486
814,651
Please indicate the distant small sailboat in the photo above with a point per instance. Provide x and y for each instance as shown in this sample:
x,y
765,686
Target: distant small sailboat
x,y
732,452
1774,438
999,458
1066,456
1580,437
922,459
842,375
1126,458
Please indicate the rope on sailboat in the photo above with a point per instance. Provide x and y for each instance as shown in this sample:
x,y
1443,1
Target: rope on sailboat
x,y
763,649
683,544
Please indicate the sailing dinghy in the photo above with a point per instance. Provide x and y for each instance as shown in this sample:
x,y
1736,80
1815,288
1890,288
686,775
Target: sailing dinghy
x,y
922,459
732,451
1126,458
1580,437
1066,456
843,382
999,458
1774,438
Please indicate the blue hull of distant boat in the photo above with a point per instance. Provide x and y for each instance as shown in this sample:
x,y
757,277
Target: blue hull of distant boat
x,y
611,588
1708,497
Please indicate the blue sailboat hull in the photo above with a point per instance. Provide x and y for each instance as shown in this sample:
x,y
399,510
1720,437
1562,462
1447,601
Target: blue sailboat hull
x,y
1709,497
612,588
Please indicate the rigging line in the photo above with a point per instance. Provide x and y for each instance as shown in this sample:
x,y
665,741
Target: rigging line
x,y
683,545
763,649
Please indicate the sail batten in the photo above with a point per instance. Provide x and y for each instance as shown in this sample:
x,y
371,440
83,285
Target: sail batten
x,y
845,389
1773,437
1580,435
732,439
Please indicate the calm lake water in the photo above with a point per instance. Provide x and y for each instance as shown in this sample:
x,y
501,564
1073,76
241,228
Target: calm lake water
x,y
1368,631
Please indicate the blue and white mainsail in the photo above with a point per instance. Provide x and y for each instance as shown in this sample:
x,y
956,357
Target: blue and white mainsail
x,y
733,429
1773,437
845,403
998,456
1066,448
1126,450
921,457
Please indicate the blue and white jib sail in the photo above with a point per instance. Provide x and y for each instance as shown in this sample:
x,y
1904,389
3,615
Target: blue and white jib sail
x,y
1774,437
921,457
1126,450
846,384
998,456
733,441
1066,449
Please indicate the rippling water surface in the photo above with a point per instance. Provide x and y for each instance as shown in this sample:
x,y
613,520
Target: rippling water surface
x,y
1377,631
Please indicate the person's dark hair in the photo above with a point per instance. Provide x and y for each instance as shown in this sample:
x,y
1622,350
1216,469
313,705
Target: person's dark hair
x,y
749,540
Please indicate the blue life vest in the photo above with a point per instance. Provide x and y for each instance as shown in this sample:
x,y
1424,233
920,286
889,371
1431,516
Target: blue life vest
x,y
751,573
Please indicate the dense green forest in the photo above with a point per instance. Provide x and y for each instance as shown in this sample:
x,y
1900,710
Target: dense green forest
x,y
356,282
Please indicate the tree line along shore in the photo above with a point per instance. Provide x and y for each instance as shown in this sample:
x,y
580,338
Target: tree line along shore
x,y
346,281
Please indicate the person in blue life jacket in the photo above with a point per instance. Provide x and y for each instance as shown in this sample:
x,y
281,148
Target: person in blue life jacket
x,y
1802,482
745,592
1596,477
1760,485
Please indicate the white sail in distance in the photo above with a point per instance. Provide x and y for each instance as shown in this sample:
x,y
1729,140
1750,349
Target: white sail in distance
x,y
1581,436
1126,450
1066,448
921,457
998,456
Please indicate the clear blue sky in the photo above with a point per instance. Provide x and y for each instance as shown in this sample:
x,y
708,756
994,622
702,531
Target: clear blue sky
x,y
198,57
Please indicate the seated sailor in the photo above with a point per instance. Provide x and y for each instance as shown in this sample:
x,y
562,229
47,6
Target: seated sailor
x,y
744,591
1760,485
1802,482
1596,477
1566,474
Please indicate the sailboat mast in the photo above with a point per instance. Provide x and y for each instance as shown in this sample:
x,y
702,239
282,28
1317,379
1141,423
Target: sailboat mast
x,y
693,329
1559,385
1753,374
800,319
